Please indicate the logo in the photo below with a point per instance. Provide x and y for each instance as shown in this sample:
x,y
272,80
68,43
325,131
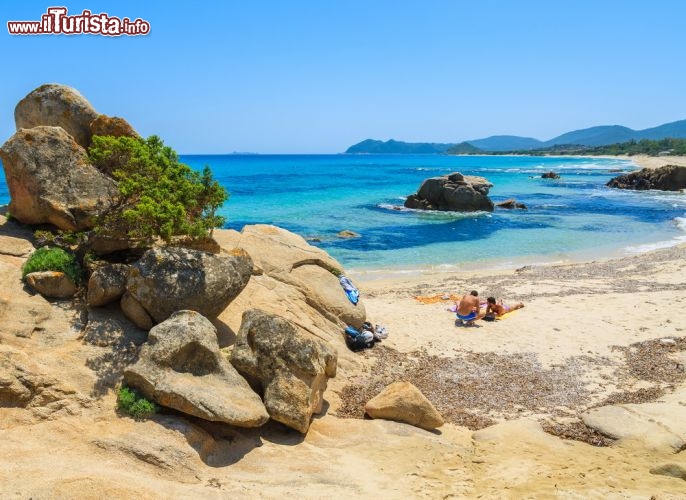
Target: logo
x,y
56,21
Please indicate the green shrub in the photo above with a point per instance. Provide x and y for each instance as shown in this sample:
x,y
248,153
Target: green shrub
x,y
53,259
129,401
158,195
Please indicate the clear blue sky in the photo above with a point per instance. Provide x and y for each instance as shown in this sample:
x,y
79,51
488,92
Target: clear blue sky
x,y
317,76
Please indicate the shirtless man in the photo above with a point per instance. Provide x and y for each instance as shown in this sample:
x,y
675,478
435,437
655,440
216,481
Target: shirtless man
x,y
497,310
468,309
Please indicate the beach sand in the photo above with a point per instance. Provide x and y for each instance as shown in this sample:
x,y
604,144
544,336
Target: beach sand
x,y
645,161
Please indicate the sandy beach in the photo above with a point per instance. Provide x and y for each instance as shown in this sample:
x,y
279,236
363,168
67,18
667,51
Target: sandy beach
x,y
645,161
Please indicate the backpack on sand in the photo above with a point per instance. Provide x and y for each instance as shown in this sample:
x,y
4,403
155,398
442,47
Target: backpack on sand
x,y
357,340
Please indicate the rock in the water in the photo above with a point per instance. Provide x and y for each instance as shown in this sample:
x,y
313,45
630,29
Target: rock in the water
x,y
403,402
112,125
133,310
455,192
667,178
166,280
181,367
510,204
107,284
50,180
54,284
292,366
58,106
550,175
347,233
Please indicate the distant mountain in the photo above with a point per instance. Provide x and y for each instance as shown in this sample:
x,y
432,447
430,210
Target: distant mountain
x,y
464,148
594,136
506,143
371,146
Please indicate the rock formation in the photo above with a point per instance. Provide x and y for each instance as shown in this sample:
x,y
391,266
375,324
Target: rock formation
x,y
181,367
54,284
50,180
403,402
550,175
510,204
292,366
106,284
667,178
166,280
297,281
112,125
454,192
58,106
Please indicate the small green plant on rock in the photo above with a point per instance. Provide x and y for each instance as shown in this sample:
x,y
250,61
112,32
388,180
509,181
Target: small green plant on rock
x,y
53,259
130,402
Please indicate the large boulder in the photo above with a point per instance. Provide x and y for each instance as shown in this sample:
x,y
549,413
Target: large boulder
x,y
58,106
287,258
667,178
454,192
292,366
112,125
166,280
107,284
403,402
181,367
51,181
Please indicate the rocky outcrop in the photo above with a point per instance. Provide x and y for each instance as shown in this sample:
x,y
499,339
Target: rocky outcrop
x,y
510,204
550,175
50,180
454,192
107,284
166,280
53,284
296,281
112,125
58,106
292,366
403,402
667,178
181,367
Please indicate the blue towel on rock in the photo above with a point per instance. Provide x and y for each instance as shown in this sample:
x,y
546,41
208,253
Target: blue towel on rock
x,y
350,290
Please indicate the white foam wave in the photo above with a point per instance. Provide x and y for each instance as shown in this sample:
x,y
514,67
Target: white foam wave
x,y
679,222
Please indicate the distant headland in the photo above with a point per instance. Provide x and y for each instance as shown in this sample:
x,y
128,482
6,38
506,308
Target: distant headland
x,y
591,140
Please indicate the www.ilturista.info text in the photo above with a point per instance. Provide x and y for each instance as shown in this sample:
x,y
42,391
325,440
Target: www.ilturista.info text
x,y
56,21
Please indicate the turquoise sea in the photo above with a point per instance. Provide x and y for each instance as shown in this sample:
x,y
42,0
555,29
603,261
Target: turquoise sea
x,y
573,218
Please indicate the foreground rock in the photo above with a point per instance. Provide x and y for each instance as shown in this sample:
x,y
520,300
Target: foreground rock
x,y
292,366
403,402
166,280
107,284
58,106
53,284
667,178
454,192
181,367
51,181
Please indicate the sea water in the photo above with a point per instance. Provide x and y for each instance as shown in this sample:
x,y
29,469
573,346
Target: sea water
x,y
572,218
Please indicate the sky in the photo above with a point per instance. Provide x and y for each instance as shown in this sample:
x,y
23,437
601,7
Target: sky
x,y
317,76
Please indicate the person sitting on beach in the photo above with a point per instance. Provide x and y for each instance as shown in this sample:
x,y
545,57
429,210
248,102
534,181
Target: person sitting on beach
x,y
469,309
496,310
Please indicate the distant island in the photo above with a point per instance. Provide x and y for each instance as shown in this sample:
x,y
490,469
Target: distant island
x,y
578,141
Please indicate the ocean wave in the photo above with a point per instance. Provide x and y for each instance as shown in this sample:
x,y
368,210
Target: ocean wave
x,y
679,222
444,214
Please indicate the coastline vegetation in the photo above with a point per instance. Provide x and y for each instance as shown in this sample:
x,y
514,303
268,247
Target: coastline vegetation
x,y
132,403
53,259
158,195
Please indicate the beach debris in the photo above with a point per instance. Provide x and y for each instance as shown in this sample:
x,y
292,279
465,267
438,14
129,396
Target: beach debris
x,y
453,192
403,402
667,341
